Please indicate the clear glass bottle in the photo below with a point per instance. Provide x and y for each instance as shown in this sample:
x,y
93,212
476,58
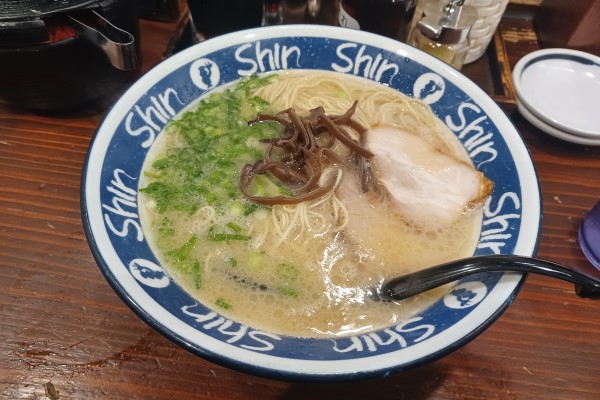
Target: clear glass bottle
x,y
443,31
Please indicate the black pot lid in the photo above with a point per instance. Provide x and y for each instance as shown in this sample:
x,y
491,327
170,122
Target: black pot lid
x,y
29,9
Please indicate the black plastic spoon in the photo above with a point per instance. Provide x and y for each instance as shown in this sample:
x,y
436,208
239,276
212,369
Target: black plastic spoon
x,y
421,281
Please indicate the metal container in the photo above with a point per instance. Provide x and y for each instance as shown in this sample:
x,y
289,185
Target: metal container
x,y
62,55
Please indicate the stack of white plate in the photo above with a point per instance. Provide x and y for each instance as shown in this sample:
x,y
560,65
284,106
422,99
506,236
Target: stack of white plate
x,y
558,91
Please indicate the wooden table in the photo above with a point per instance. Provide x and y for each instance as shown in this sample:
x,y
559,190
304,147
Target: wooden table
x,y
64,334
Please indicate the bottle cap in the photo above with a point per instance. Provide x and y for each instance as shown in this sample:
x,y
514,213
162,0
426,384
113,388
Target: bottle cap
x,y
450,24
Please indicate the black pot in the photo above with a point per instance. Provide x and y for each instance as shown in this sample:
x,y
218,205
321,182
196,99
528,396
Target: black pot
x,y
66,54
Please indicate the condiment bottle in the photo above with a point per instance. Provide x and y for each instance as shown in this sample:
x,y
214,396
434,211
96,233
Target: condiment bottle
x,y
215,17
322,12
389,18
443,31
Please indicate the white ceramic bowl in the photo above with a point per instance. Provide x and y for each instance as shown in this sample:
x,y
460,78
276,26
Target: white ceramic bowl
x,y
113,166
561,87
552,130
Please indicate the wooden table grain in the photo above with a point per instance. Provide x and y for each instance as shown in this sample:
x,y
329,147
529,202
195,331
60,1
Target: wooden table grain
x,y
64,334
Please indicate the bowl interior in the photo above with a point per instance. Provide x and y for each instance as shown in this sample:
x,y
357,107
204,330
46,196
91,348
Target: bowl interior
x,y
511,223
562,88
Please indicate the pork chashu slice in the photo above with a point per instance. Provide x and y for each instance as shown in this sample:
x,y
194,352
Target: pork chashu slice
x,y
424,186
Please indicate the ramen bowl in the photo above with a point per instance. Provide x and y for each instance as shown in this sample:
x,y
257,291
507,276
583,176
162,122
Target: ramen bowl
x,y
511,219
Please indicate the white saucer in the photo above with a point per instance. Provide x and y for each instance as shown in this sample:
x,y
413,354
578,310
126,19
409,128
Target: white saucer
x,y
561,87
552,131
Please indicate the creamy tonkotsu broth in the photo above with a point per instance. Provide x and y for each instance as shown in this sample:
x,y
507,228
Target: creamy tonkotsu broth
x,y
299,269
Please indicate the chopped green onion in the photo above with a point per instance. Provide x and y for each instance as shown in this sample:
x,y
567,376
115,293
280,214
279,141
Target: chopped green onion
x,y
287,291
184,251
226,237
223,304
234,227
250,209
204,167
197,272
160,163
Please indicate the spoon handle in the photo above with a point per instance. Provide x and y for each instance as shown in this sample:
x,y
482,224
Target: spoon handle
x,y
421,281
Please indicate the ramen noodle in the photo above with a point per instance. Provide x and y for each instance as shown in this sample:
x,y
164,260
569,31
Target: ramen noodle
x,y
246,244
